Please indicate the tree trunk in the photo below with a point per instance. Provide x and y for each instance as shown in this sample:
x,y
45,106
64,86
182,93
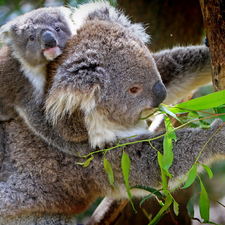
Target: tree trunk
x,y
213,12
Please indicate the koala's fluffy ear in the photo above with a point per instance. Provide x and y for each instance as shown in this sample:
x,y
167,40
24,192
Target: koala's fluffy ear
x,y
61,102
67,12
74,86
6,33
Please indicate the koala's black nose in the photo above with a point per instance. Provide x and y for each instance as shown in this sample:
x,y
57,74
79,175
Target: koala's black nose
x,y
159,92
48,40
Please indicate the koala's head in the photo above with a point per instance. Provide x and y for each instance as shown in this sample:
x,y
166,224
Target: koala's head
x,y
108,73
38,36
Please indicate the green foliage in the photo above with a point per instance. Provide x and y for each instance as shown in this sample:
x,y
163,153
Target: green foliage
x,y
86,163
190,207
167,158
204,203
125,164
206,102
109,171
11,9
212,105
165,207
208,170
191,176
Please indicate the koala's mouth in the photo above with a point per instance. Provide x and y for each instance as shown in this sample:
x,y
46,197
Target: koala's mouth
x,y
51,53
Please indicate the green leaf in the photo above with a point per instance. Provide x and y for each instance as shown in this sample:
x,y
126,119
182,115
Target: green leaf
x,y
191,177
149,189
205,102
204,125
204,204
221,110
167,203
169,128
162,108
125,164
208,170
190,207
192,115
109,171
175,207
167,158
86,163
163,175
145,198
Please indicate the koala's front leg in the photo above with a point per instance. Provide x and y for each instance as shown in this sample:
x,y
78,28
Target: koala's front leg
x,y
183,70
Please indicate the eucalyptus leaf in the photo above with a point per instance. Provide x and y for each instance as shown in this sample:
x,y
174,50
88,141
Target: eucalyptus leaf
x,y
167,158
175,207
109,171
208,170
205,102
125,164
145,198
204,204
221,110
190,207
88,161
169,128
168,202
162,108
192,115
191,177
163,174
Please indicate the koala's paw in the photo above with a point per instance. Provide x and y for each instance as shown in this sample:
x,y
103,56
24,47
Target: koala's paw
x,y
216,124
206,42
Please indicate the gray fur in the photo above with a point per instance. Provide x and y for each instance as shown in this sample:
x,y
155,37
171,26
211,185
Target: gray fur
x,y
47,181
89,98
183,70
17,93
34,38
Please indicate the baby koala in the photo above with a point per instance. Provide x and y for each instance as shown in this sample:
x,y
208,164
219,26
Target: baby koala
x,y
31,40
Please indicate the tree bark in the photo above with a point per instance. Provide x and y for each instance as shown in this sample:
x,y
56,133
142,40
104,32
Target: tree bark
x,y
107,212
213,12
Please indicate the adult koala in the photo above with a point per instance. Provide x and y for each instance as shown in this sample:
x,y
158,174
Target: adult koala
x,y
97,90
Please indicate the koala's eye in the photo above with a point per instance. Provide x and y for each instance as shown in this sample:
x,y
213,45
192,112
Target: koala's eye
x,y
57,29
31,38
135,89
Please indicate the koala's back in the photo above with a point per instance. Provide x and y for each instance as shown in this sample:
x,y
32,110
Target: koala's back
x,y
10,74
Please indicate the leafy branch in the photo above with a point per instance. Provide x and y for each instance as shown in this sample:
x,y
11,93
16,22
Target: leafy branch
x,y
201,111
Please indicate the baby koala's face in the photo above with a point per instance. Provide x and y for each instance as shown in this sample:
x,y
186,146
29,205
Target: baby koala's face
x,y
38,36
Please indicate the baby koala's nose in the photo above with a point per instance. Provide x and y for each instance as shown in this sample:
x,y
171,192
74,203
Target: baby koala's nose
x,y
48,39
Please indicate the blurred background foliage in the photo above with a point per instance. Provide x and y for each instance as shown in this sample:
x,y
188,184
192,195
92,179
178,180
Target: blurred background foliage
x,y
11,9
170,23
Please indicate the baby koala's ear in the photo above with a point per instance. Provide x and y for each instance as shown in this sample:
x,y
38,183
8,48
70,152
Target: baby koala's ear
x,y
68,12
6,33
